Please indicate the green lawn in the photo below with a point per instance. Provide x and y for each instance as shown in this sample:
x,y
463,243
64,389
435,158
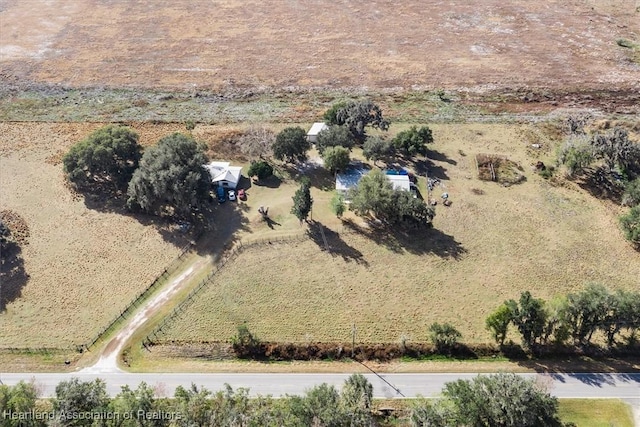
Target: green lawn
x,y
596,412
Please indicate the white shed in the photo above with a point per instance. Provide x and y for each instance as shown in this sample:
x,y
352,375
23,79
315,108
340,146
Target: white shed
x,y
316,128
224,175
400,182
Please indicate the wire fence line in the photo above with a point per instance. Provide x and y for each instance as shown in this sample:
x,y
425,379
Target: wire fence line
x,y
141,298
231,255
162,278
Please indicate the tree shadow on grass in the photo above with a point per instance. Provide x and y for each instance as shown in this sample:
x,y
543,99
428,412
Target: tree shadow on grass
x,y
272,182
318,176
602,185
414,241
172,230
337,246
13,276
426,165
226,221
440,157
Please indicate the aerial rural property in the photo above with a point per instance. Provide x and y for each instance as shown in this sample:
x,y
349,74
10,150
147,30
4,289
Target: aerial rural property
x,y
389,213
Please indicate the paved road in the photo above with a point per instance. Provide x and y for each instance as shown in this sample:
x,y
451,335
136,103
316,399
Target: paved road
x,y
622,386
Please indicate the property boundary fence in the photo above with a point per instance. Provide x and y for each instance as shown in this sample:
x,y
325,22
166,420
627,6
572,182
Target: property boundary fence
x,y
159,330
137,302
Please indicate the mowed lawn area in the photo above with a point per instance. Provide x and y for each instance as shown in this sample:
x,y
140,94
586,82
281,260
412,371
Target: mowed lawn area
x,y
493,243
596,412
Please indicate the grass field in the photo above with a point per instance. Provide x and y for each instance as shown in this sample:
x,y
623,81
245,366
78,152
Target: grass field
x,y
83,263
596,412
490,245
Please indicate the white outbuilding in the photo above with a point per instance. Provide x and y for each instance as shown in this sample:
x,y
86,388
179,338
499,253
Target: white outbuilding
x,y
224,175
316,128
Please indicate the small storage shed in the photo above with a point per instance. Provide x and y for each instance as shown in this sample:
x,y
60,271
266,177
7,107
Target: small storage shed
x,y
316,128
399,180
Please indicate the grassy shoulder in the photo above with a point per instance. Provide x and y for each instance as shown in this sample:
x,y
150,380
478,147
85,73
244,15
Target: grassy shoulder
x,y
596,412
38,360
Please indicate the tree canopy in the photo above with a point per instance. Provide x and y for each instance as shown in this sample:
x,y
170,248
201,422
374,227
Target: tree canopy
x,y
501,400
377,148
529,316
171,177
374,196
336,158
357,116
630,223
75,396
498,323
578,315
616,149
334,136
413,141
291,145
302,201
260,169
21,398
105,160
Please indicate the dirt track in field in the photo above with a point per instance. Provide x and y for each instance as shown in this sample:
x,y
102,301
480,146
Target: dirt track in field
x,y
274,44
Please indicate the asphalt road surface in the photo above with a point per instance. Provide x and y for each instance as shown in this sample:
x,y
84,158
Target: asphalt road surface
x,y
622,386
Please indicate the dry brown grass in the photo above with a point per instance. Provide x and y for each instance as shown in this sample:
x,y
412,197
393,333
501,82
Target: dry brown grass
x,y
83,265
533,236
338,43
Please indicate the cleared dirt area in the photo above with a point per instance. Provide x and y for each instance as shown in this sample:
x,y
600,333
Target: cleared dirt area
x,y
84,263
491,244
227,44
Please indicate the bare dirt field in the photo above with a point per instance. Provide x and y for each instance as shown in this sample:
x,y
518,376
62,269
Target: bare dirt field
x,y
491,244
381,44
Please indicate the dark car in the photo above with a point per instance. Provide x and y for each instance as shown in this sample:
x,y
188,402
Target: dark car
x,y
221,195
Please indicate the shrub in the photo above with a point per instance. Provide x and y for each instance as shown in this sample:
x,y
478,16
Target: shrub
x,y
245,344
547,173
631,196
630,224
576,153
444,336
337,205
414,141
260,169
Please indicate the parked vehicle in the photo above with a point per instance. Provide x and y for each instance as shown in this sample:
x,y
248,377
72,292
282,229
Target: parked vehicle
x,y
221,196
242,195
232,195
